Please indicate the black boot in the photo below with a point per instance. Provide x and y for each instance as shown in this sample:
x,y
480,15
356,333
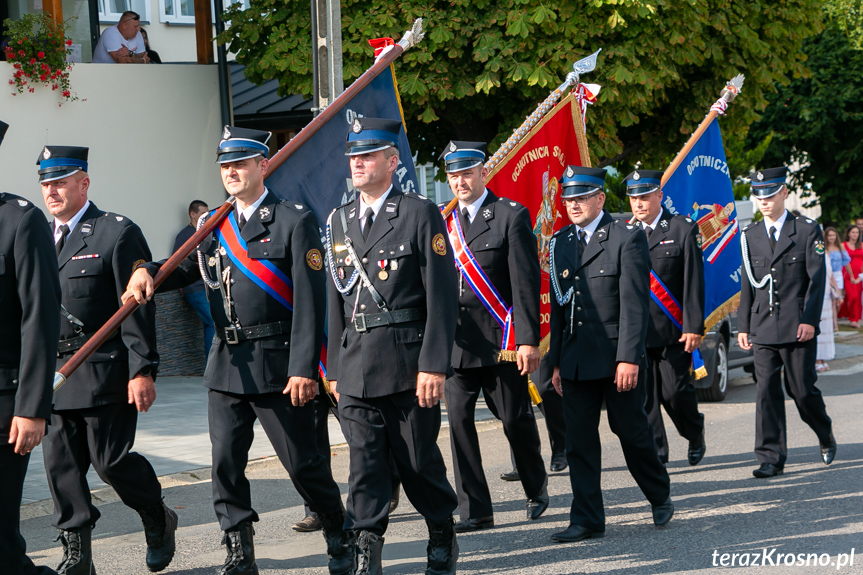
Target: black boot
x,y
341,550
77,555
241,551
369,549
160,526
442,549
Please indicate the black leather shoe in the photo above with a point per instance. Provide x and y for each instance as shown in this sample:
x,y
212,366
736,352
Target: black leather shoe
x,y
394,501
511,475
536,506
466,525
828,452
241,551
558,462
663,513
576,533
308,524
697,449
160,528
767,470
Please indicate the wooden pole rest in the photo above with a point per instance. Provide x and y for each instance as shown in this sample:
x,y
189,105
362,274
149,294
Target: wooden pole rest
x,y
130,306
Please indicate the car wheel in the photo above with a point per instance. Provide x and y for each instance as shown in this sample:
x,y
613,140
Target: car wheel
x,y
719,372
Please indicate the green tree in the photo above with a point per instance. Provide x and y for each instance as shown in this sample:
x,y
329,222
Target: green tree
x,y
484,65
817,124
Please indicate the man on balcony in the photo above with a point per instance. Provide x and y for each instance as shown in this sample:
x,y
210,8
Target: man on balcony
x,y
123,43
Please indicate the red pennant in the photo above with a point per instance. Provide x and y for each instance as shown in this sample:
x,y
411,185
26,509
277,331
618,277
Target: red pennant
x,y
380,43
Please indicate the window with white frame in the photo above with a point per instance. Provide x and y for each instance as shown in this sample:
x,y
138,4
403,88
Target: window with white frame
x,y
183,11
111,10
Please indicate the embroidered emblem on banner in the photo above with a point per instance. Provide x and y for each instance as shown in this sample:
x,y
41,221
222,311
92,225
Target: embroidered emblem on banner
x,y
314,259
439,245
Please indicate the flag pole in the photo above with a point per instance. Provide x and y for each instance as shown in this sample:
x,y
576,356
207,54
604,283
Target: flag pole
x,y
411,38
581,67
732,88
389,55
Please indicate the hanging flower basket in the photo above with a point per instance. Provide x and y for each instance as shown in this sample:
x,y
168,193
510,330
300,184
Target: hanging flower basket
x,y
36,47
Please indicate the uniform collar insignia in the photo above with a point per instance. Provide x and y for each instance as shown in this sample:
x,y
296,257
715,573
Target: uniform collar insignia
x,y
664,224
486,213
264,211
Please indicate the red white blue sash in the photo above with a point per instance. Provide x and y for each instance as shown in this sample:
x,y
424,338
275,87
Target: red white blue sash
x,y
660,294
266,275
481,285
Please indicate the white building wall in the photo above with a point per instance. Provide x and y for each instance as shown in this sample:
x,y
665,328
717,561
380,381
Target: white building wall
x,y
152,133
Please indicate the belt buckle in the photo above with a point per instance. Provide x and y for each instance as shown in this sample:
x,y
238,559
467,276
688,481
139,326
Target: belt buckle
x,y
232,336
360,323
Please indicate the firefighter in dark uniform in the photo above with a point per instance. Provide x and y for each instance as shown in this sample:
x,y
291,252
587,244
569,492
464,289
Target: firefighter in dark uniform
x,y
29,330
780,309
599,315
264,269
496,235
96,412
392,310
677,261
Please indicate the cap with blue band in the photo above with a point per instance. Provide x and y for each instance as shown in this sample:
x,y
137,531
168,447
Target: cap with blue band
x,y
241,144
641,182
581,181
460,155
58,162
367,135
766,183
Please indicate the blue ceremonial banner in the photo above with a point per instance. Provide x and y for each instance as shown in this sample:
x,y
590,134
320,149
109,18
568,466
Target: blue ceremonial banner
x,y
701,189
318,174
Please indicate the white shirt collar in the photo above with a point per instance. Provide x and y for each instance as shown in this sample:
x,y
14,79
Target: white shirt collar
x,y
591,227
73,221
250,211
777,224
473,209
655,222
376,206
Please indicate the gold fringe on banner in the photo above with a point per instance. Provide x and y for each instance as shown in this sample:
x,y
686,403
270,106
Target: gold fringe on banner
x,y
507,355
721,311
328,390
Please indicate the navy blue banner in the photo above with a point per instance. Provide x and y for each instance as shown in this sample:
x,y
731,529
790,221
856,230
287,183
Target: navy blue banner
x,y
318,174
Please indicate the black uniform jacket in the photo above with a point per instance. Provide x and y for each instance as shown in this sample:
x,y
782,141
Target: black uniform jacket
x,y
286,235
409,233
798,281
29,312
502,242
676,258
610,293
95,265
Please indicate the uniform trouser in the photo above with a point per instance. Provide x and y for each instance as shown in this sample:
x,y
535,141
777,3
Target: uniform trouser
x,y
552,408
376,426
669,385
798,359
506,395
12,546
323,405
103,437
289,429
582,405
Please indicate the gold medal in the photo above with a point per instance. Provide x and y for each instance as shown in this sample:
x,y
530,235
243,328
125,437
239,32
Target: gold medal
x,y
383,275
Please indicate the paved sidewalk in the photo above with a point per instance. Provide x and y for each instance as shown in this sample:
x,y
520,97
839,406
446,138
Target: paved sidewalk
x,y
173,435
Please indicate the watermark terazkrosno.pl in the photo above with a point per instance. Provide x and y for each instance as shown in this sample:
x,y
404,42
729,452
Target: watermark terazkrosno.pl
x,y
773,557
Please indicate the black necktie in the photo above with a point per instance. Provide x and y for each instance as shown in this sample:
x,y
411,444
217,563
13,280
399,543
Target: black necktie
x,y
64,231
582,242
771,235
647,230
367,227
466,214
242,221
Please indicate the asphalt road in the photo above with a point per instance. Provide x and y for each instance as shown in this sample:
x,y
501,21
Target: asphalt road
x,y
721,509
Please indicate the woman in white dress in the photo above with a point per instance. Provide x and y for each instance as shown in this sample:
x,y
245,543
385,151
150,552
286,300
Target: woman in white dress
x,y
826,349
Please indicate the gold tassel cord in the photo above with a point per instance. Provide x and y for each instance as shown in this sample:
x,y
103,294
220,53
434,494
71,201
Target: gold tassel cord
x,y
535,397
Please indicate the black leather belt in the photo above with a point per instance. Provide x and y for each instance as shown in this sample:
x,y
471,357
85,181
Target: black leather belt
x,y
234,335
72,344
363,322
